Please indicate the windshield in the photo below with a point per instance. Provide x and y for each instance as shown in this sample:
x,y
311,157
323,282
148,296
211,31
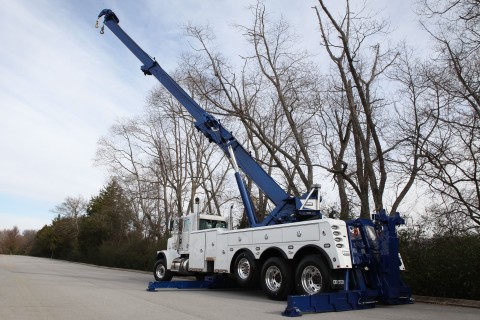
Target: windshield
x,y
186,225
210,224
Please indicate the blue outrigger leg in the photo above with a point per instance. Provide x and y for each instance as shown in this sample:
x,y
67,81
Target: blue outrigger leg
x,y
210,282
375,276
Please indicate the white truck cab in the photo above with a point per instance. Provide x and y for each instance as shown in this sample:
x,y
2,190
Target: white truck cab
x,y
180,240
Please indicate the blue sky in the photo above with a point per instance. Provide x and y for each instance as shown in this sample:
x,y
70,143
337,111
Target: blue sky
x,y
62,84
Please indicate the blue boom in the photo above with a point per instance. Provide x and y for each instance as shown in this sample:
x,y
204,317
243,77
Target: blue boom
x,y
287,208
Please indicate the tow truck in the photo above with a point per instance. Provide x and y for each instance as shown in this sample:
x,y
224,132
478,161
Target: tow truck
x,y
330,264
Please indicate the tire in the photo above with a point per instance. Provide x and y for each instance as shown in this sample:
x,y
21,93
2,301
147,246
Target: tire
x,y
245,270
312,276
277,279
160,271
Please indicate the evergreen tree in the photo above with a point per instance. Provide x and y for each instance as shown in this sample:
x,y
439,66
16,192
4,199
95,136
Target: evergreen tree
x,y
110,216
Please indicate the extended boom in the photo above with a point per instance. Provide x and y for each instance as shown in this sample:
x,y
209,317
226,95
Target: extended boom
x,y
331,264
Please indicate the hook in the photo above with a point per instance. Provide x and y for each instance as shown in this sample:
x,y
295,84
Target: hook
x,y
102,30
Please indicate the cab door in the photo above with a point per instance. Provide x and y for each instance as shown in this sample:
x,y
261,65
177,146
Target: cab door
x,y
185,237
197,251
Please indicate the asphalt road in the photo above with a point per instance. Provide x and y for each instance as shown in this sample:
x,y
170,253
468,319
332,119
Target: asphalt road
x,y
37,288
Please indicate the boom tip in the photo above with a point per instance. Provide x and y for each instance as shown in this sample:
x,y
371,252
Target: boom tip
x,y
109,14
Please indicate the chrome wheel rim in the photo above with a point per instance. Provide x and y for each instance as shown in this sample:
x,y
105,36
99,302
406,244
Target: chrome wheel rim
x,y
273,278
243,268
311,280
160,271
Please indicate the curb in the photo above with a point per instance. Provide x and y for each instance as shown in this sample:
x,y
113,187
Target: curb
x,y
448,301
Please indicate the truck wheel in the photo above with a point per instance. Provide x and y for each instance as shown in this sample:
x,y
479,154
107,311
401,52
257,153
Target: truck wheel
x,y
311,276
160,271
245,270
277,280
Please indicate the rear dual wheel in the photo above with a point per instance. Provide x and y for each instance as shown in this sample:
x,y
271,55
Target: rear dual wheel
x,y
277,279
312,276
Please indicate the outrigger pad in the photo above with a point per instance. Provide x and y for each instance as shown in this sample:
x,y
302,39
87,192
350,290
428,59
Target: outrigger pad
x,y
328,302
209,282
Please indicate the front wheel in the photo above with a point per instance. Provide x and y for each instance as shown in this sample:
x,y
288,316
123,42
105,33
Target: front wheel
x,y
160,271
277,280
311,276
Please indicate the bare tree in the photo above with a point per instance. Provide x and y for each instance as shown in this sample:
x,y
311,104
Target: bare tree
x,y
269,95
203,167
10,241
374,137
344,40
454,153
163,163
72,208
416,122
